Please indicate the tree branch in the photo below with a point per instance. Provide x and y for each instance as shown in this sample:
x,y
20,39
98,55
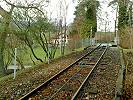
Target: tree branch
x,y
3,12
24,7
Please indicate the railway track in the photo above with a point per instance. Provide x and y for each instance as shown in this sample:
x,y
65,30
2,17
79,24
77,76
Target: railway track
x,y
68,83
102,82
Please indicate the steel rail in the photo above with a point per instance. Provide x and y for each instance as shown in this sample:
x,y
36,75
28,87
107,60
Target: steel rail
x,y
65,83
83,83
28,95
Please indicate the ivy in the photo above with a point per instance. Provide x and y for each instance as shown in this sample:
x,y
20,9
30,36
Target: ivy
x,y
86,28
123,16
86,18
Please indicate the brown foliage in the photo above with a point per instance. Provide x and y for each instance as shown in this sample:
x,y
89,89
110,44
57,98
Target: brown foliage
x,y
128,83
105,37
126,38
73,40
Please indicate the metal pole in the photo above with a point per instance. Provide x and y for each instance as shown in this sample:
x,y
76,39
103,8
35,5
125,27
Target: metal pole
x,y
116,28
130,26
49,50
105,32
91,37
48,53
15,63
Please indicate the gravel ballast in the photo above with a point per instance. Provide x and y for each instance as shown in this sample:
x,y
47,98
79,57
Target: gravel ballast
x,y
30,78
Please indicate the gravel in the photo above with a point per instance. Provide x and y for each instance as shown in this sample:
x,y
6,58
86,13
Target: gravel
x,y
102,83
30,78
70,88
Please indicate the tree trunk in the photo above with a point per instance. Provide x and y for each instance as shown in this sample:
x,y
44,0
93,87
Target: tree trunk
x,y
122,20
2,44
6,21
2,71
30,46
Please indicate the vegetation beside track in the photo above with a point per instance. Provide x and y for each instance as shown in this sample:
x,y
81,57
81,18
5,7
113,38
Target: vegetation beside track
x,y
128,84
30,78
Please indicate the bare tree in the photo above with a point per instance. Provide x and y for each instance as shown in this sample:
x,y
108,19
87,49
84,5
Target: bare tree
x,y
7,19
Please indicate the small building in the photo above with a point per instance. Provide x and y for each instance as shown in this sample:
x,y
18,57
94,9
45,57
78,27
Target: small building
x,y
60,38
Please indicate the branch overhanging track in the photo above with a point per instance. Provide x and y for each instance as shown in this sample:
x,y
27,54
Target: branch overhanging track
x,y
55,77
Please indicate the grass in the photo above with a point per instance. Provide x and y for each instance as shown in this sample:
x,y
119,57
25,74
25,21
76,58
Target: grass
x,y
128,83
25,56
127,50
79,49
40,53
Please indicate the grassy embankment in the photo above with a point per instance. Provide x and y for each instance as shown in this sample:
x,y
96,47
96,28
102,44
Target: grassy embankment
x,y
25,56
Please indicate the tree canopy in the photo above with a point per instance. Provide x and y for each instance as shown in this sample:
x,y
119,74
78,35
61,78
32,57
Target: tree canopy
x,y
86,18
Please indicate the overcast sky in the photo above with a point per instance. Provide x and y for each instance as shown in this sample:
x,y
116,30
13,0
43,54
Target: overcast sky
x,y
108,15
107,18
54,9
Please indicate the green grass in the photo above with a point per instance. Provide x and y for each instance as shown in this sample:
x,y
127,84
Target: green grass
x,y
79,49
40,54
25,56
127,50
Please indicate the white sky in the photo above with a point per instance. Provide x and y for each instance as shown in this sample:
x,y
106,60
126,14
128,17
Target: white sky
x,y
54,9
108,18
